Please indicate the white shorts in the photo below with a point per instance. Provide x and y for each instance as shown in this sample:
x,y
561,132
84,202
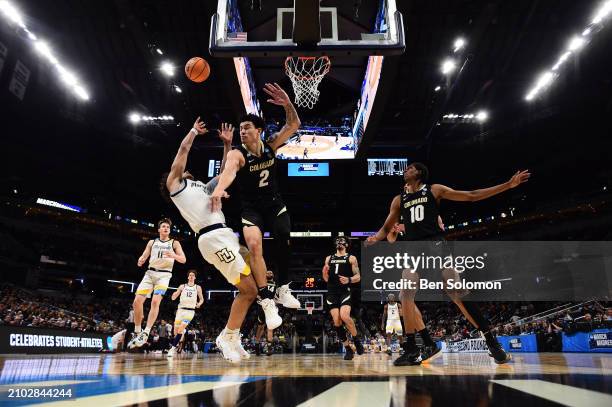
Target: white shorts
x,y
155,282
394,325
220,248
183,316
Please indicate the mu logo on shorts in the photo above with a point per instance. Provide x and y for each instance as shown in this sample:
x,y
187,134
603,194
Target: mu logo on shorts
x,y
225,255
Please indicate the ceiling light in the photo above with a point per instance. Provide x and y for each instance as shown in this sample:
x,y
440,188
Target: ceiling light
x,y
448,66
576,43
482,116
459,43
134,118
167,68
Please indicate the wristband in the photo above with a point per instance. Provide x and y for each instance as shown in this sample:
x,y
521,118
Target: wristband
x,y
194,131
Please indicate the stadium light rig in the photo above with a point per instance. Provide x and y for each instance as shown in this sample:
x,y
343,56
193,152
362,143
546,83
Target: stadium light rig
x,y
459,44
479,117
575,44
66,76
448,66
136,118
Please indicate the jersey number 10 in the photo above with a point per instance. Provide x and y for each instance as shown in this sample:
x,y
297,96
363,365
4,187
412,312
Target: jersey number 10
x,y
417,213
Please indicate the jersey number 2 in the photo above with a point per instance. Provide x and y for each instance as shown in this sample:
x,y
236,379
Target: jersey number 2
x,y
263,182
417,213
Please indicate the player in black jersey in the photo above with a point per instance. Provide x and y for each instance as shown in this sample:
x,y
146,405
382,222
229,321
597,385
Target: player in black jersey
x,y
419,208
340,271
253,164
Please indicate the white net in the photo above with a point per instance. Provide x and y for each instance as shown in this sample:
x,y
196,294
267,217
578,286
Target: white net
x,y
306,73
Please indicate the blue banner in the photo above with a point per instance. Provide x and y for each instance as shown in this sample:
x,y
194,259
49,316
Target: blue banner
x,y
521,343
599,341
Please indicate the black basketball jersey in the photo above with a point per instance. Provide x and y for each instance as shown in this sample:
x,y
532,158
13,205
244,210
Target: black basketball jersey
x,y
257,179
419,211
339,266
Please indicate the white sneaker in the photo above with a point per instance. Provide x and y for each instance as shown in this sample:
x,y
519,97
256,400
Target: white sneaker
x,y
139,340
225,343
273,320
238,348
171,352
284,297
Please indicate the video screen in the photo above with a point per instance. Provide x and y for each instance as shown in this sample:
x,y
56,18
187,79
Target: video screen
x,y
322,141
308,169
387,166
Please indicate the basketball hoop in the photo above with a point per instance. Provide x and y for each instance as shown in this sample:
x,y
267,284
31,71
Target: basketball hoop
x,y
309,307
306,73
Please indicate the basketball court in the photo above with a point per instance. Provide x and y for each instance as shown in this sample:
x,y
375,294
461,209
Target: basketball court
x,y
346,68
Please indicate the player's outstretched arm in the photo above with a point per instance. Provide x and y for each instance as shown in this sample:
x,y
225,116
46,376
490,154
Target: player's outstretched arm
x,y
326,270
392,219
178,292
292,121
235,160
145,254
443,192
200,297
180,160
226,134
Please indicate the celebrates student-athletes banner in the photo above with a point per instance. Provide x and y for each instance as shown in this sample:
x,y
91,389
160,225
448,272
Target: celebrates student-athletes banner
x,y
600,341
19,339
520,343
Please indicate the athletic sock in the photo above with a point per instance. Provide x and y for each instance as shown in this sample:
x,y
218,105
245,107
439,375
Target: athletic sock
x,y
231,331
177,339
147,330
410,344
489,337
264,293
426,337
137,329
341,332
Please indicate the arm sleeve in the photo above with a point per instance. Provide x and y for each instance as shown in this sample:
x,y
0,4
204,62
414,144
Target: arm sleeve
x,y
212,184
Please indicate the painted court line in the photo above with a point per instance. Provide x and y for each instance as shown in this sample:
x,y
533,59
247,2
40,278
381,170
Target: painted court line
x,y
354,394
559,393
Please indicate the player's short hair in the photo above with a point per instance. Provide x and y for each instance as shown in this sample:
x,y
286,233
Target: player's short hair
x,y
163,189
257,121
195,273
164,220
423,171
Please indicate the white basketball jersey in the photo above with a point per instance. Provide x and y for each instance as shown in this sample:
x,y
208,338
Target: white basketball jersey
x,y
189,296
157,259
393,311
193,201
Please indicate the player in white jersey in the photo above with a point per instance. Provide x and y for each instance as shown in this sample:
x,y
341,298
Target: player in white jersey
x,y
392,314
217,243
161,252
190,298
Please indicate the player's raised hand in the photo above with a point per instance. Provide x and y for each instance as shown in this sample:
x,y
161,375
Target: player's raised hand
x,y
277,95
519,177
215,199
200,126
226,133
370,240
141,261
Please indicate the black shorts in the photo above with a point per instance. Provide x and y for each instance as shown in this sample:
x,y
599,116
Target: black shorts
x,y
338,299
263,215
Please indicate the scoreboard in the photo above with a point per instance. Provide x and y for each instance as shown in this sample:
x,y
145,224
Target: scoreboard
x,y
387,166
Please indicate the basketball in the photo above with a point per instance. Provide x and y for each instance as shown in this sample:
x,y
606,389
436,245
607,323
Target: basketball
x,y
197,69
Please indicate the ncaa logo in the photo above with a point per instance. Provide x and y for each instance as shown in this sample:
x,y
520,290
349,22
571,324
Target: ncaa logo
x,y
225,255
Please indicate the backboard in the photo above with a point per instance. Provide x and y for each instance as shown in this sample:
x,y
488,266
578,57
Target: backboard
x,y
302,34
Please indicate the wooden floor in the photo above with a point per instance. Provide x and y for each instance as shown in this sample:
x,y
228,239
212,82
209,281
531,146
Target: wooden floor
x,y
326,380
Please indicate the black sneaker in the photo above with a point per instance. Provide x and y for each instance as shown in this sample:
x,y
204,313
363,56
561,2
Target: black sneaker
x,y
430,352
499,355
349,353
358,346
269,350
389,351
411,357
258,349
